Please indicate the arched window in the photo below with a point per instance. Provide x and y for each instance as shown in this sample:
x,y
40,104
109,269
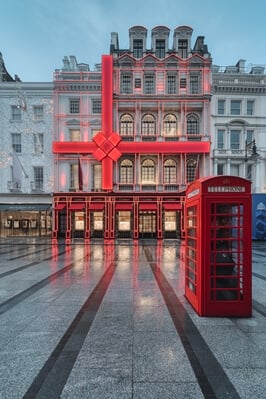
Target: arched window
x,y
126,172
148,125
170,125
148,172
126,126
169,172
191,170
192,124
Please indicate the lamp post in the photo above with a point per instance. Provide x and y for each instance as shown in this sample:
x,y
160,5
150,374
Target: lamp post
x,y
250,148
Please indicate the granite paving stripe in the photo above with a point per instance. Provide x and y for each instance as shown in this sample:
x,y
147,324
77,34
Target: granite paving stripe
x,y
10,303
34,252
20,268
50,381
211,377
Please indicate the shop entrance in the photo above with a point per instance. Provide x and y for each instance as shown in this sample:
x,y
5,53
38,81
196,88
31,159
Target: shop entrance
x,y
123,224
97,224
78,224
147,224
172,224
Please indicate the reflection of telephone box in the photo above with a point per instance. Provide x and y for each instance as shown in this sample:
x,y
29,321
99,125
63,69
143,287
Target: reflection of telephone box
x,y
218,246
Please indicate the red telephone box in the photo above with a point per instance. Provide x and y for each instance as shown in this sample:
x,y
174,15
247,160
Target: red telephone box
x,y
218,246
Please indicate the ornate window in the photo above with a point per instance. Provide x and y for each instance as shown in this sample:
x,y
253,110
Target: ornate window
x,y
148,172
170,125
192,125
148,125
126,125
169,172
191,170
126,171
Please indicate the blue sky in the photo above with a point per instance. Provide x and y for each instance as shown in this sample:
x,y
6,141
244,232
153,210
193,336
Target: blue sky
x,y
35,35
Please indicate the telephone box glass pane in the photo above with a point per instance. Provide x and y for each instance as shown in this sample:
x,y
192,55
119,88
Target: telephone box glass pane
x,y
226,271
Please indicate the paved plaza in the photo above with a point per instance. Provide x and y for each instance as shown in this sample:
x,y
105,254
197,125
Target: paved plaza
x,y
110,320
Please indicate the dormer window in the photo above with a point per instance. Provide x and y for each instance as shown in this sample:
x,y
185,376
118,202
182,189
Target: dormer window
x,y
160,49
183,48
137,48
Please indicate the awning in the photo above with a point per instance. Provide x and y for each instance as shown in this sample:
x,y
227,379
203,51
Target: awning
x,y
148,207
76,207
59,207
25,207
172,206
123,206
96,206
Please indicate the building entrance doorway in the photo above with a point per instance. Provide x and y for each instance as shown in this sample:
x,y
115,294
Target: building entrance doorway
x,y
97,224
123,228
147,224
78,224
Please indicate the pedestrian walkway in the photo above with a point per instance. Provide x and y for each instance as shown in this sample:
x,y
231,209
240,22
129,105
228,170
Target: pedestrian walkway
x,y
110,320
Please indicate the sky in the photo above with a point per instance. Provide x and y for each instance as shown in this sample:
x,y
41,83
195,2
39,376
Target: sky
x,y
35,35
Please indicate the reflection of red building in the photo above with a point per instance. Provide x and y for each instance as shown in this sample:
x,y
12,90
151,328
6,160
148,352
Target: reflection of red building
x,y
130,137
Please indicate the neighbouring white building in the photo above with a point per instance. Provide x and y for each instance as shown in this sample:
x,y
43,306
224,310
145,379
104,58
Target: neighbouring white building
x,y
26,169
238,123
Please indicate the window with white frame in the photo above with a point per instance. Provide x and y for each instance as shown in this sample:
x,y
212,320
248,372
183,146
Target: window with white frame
x,y
126,125
126,171
235,139
74,105
38,177
250,107
38,143
149,83
148,125
148,172
170,125
169,172
235,107
16,142
38,112
171,83
126,83
15,113
221,107
220,139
